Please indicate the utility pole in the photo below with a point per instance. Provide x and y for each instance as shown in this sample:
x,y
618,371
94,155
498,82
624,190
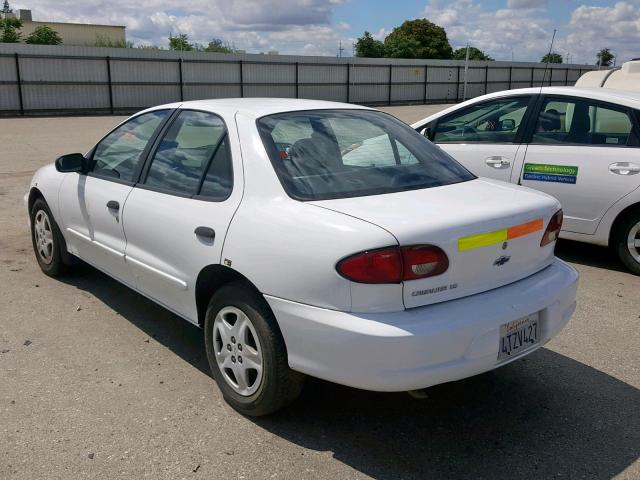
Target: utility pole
x,y
340,49
5,8
466,70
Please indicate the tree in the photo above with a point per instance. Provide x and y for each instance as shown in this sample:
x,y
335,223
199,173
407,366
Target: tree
x,y
369,47
102,41
552,57
217,45
474,54
605,58
418,39
180,42
9,29
44,35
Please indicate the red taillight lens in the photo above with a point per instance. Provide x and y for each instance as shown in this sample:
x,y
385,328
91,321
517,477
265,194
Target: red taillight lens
x,y
394,264
553,229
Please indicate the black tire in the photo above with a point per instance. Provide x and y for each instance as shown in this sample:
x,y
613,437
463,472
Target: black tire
x,y
279,385
621,241
55,265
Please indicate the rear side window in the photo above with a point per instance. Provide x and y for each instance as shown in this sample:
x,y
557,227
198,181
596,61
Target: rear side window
x,y
324,154
192,152
582,122
496,121
118,155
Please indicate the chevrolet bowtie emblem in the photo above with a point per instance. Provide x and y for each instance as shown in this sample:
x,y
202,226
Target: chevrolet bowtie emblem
x,y
502,260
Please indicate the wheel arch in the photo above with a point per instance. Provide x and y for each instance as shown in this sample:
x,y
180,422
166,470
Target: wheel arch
x,y
34,194
210,279
632,209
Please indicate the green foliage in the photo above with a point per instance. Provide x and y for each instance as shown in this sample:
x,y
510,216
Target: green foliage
x,y
605,58
44,35
9,30
369,47
418,38
552,57
102,41
474,54
180,42
217,45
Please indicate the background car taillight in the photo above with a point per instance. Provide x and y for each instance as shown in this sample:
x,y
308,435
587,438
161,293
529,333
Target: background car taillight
x,y
553,229
394,264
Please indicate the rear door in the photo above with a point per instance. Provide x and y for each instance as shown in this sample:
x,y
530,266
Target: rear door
x,y
485,137
91,205
586,154
177,216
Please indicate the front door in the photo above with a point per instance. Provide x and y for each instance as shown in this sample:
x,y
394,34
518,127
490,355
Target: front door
x,y
485,137
91,205
584,153
177,217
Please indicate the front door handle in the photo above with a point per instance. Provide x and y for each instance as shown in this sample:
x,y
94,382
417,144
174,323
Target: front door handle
x,y
624,168
497,161
205,232
113,205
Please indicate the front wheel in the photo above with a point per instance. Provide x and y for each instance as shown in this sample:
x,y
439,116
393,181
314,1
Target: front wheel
x,y
48,244
627,242
246,352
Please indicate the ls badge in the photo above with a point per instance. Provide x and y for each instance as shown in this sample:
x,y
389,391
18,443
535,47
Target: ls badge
x,y
501,260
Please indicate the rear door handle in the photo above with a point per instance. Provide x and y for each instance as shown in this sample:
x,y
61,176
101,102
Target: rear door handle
x,y
497,162
624,168
205,232
113,205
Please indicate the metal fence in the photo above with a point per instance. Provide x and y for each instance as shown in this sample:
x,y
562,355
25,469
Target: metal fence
x,y
57,80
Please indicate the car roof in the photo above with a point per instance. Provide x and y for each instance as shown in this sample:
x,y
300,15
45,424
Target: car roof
x,y
258,107
620,97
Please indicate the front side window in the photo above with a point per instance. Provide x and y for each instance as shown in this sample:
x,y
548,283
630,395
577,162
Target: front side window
x,y
323,154
497,121
192,151
118,155
582,122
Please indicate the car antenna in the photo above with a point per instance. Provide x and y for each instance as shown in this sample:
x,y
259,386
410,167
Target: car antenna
x,y
546,66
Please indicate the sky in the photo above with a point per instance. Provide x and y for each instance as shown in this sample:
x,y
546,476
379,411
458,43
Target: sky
x,y
505,29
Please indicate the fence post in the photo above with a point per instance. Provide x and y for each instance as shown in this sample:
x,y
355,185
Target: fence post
x,y
390,77
510,75
457,85
19,79
425,85
532,70
566,77
348,82
181,81
486,79
241,79
550,76
110,84
297,84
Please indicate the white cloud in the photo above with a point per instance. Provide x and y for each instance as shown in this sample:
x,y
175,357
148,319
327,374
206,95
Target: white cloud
x,y
515,4
289,26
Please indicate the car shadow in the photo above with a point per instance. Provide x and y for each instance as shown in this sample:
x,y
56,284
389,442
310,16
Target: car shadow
x,y
589,255
544,416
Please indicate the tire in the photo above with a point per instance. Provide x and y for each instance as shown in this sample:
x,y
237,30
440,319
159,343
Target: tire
x,y
48,243
241,333
627,242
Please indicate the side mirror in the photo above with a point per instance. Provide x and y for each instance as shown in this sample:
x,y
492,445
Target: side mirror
x,y
508,124
72,162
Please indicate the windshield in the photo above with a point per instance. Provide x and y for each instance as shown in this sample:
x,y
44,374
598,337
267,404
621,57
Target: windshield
x,y
325,154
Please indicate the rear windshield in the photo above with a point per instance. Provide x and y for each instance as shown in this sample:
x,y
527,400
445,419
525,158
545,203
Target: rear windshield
x,y
325,154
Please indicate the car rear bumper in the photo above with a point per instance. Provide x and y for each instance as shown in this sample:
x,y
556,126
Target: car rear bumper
x,y
423,346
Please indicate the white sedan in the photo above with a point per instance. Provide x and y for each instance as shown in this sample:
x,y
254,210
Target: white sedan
x,y
310,237
581,145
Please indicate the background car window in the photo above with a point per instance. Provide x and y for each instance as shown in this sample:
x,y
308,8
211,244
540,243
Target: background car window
x,y
120,152
324,154
581,122
184,152
218,180
497,121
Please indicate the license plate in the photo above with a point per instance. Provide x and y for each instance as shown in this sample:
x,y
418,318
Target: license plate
x,y
518,336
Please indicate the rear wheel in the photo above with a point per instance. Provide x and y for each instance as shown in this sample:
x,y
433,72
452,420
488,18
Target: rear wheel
x,y
47,240
246,352
627,242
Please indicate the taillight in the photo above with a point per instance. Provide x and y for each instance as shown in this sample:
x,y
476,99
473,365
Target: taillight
x,y
553,229
394,264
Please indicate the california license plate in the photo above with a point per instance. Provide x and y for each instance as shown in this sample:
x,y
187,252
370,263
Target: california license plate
x,y
518,336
